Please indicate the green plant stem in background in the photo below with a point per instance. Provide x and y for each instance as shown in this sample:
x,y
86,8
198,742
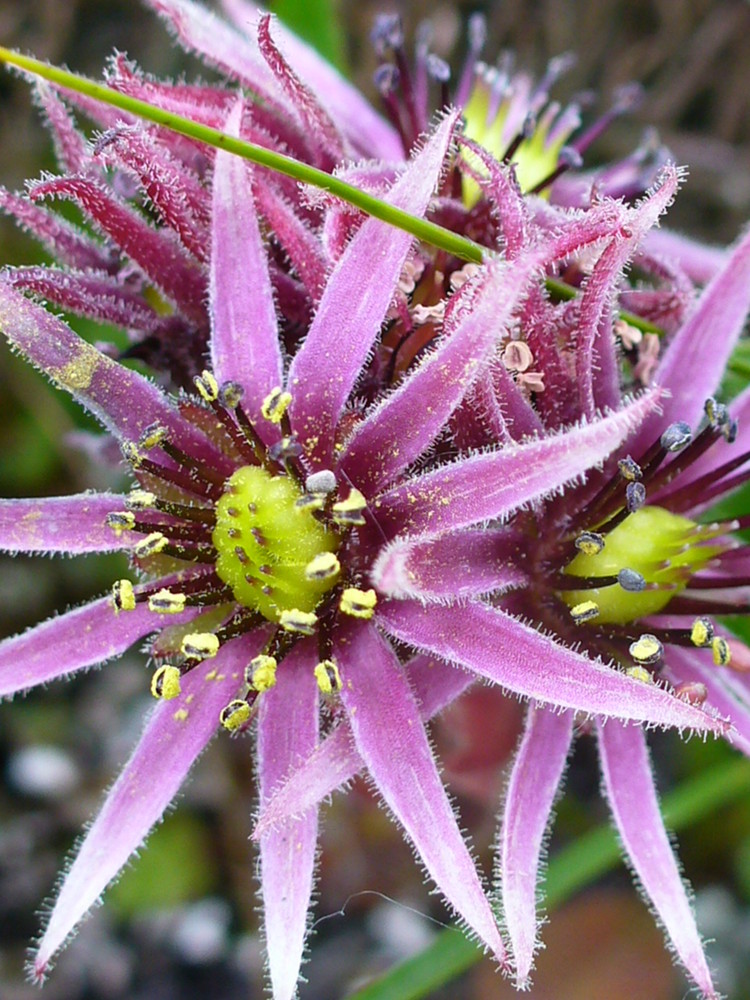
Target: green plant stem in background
x,y
575,866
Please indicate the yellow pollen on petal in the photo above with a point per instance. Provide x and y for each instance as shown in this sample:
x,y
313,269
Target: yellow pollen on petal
x,y
165,683
358,603
234,715
123,596
207,386
294,620
328,677
200,645
721,651
275,405
164,602
262,672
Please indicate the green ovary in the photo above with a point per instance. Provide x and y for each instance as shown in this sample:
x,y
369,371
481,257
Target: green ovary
x,y
664,548
265,542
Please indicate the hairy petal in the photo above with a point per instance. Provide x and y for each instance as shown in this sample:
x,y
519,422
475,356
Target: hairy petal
x,y
481,317
523,660
287,734
354,304
336,760
629,786
84,637
534,781
390,736
491,485
244,331
460,564
72,524
175,734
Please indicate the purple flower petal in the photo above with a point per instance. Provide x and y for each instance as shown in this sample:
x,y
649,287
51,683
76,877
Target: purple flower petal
x,y
287,733
336,760
300,243
390,736
534,781
629,785
700,262
478,320
461,564
175,735
72,524
72,149
529,663
694,361
492,485
84,637
244,331
354,304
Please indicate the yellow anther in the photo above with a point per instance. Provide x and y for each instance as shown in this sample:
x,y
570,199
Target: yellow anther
x,y
351,510
200,646
207,386
231,394
123,596
140,500
590,543
262,672
325,566
234,715
153,436
722,652
358,603
120,520
639,674
164,602
275,405
165,683
131,453
328,677
311,501
151,545
584,612
295,620
647,650
702,632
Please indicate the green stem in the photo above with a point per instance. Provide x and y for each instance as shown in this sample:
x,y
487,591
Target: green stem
x,y
572,868
429,232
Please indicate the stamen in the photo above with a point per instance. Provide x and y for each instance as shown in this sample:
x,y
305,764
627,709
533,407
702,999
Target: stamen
x,y
647,650
350,512
235,715
275,405
151,545
164,602
358,603
721,652
119,521
640,674
328,677
590,543
261,672
586,611
200,646
294,620
165,683
123,596
207,386
702,632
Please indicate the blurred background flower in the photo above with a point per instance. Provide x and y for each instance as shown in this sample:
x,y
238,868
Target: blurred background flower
x,y
181,923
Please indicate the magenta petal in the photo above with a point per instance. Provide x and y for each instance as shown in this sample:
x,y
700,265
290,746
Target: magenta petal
x,y
336,760
698,261
694,361
628,782
175,734
73,524
479,320
460,564
287,733
493,484
529,663
390,736
534,781
81,638
244,331
354,304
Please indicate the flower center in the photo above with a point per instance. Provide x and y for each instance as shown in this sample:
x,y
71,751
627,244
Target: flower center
x,y
663,549
271,551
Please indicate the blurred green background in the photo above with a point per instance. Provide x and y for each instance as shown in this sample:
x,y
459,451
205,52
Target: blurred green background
x,y
183,921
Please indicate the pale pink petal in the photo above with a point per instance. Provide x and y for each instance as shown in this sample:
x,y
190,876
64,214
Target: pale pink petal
x,y
244,331
493,484
84,637
533,786
336,760
629,785
287,733
390,736
699,261
460,564
479,319
175,734
72,524
529,663
354,304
